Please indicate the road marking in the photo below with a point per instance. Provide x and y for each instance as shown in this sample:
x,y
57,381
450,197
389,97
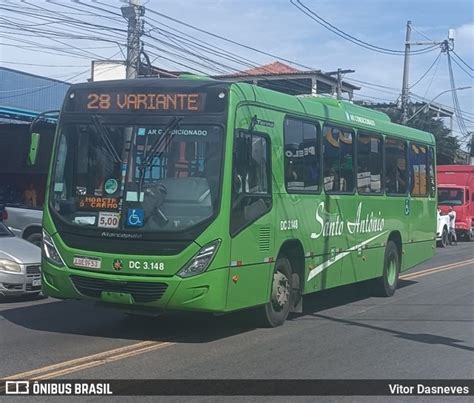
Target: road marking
x,y
436,269
93,360
89,361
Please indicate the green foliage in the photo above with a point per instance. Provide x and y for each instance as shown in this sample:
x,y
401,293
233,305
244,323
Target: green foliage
x,y
447,145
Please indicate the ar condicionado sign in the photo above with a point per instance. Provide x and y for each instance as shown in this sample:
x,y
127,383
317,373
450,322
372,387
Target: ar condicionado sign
x,y
190,102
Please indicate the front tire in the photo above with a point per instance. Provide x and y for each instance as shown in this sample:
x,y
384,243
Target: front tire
x,y
386,285
36,238
275,312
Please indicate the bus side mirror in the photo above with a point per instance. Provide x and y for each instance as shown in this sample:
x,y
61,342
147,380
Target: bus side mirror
x,y
34,146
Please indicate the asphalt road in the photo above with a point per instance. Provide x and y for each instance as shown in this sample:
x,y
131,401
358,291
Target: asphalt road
x,y
424,332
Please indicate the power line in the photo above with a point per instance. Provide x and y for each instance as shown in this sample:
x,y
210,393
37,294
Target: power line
x,y
432,78
42,65
422,34
321,21
462,68
227,39
436,60
457,108
459,57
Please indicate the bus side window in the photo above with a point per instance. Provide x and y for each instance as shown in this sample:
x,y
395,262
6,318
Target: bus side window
x,y
251,190
369,163
418,165
338,160
432,177
302,161
396,177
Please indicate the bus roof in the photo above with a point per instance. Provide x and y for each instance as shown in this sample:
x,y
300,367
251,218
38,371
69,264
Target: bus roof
x,y
337,111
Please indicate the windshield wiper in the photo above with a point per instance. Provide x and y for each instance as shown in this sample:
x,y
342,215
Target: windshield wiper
x,y
162,143
105,138
157,149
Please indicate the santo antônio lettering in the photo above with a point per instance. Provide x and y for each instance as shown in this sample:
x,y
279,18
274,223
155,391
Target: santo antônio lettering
x,y
192,102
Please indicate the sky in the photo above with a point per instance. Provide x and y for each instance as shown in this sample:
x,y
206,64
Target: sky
x,y
274,26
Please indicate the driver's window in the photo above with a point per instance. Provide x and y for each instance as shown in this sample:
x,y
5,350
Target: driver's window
x,y
251,194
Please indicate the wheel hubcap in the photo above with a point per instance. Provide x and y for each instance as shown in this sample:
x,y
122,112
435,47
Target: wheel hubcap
x,y
391,272
280,291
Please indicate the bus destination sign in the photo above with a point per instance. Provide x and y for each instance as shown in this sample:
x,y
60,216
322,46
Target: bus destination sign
x,y
143,101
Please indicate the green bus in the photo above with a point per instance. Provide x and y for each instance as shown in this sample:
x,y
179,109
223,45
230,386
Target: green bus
x,y
202,195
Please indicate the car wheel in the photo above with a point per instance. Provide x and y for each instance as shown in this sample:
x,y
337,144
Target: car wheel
x,y
470,235
386,285
444,238
35,238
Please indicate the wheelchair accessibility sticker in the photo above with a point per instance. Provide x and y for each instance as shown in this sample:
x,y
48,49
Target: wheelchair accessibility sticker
x,y
135,217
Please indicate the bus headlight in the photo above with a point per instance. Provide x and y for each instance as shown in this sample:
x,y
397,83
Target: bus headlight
x,y
201,261
50,253
9,266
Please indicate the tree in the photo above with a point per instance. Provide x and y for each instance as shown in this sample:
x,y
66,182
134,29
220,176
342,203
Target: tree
x,y
447,146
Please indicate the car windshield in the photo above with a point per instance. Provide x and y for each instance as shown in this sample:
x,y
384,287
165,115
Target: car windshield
x,y
144,178
4,231
452,197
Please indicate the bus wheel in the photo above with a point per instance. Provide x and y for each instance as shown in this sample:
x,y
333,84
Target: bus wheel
x,y
444,238
386,285
275,312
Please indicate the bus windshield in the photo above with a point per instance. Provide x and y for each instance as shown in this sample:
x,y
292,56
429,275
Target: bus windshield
x,y
162,177
450,196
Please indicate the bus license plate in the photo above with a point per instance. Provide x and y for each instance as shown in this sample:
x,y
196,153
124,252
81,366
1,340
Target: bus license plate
x,y
36,282
88,262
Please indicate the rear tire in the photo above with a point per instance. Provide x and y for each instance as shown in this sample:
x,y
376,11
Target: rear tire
x,y
386,285
470,235
444,238
275,312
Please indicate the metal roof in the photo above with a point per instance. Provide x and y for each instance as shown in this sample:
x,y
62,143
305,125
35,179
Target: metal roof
x,y
30,93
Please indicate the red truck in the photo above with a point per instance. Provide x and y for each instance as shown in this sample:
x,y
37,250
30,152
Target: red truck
x,y
456,188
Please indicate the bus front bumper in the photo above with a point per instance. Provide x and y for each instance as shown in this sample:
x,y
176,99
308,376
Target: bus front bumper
x,y
205,292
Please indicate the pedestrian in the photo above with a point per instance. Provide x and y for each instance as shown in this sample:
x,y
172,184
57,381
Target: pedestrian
x,y
29,196
452,226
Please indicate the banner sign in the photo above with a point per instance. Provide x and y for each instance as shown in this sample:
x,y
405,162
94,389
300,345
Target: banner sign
x,y
238,387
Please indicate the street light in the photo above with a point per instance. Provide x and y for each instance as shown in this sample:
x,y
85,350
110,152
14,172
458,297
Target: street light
x,y
437,96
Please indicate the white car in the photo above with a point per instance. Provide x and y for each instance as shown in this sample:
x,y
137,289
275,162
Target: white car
x,y
442,230
20,265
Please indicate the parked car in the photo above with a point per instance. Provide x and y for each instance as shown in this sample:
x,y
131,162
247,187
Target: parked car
x,y
20,265
25,223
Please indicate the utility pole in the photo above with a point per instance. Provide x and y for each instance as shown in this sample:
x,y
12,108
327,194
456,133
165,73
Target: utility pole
x,y
339,74
405,97
133,13
406,63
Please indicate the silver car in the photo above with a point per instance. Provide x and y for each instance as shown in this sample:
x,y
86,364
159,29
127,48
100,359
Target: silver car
x,y
25,223
20,267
